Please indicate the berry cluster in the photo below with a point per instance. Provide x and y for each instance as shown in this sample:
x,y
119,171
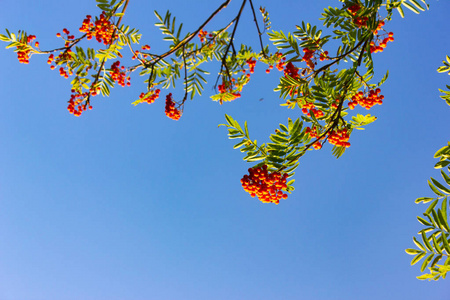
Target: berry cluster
x,y
266,185
226,87
68,36
313,134
308,56
335,104
280,62
368,101
291,70
360,21
150,97
23,52
251,64
101,29
380,44
119,75
309,108
379,26
75,106
354,9
202,35
63,57
323,56
339,138
63,73
171,111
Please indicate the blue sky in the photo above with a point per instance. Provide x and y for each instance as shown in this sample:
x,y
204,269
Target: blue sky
x,y
124,203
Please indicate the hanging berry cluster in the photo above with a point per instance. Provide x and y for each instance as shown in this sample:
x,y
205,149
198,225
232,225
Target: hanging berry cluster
x,y
291,70
171,111
308,56
279,63
309,108
75,106
23,52
119,75
266,185
227,87
101,29
314,135
339,138
149,97
381,43
372,98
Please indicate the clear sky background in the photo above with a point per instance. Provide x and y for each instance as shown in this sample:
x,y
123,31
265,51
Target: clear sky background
x,y
124,203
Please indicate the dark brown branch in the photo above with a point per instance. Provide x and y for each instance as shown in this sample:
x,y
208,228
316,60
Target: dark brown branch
x,y
192,35
338,58
257,27
224,57
185,76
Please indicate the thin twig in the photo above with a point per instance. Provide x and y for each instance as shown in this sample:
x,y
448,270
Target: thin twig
x,y
259,31
224,57
185,77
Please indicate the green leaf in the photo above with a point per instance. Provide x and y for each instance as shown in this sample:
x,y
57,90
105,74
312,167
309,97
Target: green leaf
x,y
417,5
441,164
423,199
400,11
435,260
426,261
435,190
417,258
410,7
426,242
413,251
436,245
446,177
440,186
431,207
441,151
425,276
445,243
424,222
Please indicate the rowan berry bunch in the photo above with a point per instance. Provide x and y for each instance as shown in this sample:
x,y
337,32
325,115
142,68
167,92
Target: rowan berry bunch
x,y
119,75
229,89
23,51
265,185
251,64
76,106
150,96
323,56
309,108
171,111
339,137
102,29
381,42
308,57
291,70
202,35
67,37
359,21
354,9
63,58
279,62
314,135
372,98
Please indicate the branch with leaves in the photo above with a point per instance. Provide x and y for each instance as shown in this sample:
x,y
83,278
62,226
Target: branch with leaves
x,y
324,87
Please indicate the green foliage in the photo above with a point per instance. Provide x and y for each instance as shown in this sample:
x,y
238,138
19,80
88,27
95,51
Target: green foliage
x,y
324,80
435,236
